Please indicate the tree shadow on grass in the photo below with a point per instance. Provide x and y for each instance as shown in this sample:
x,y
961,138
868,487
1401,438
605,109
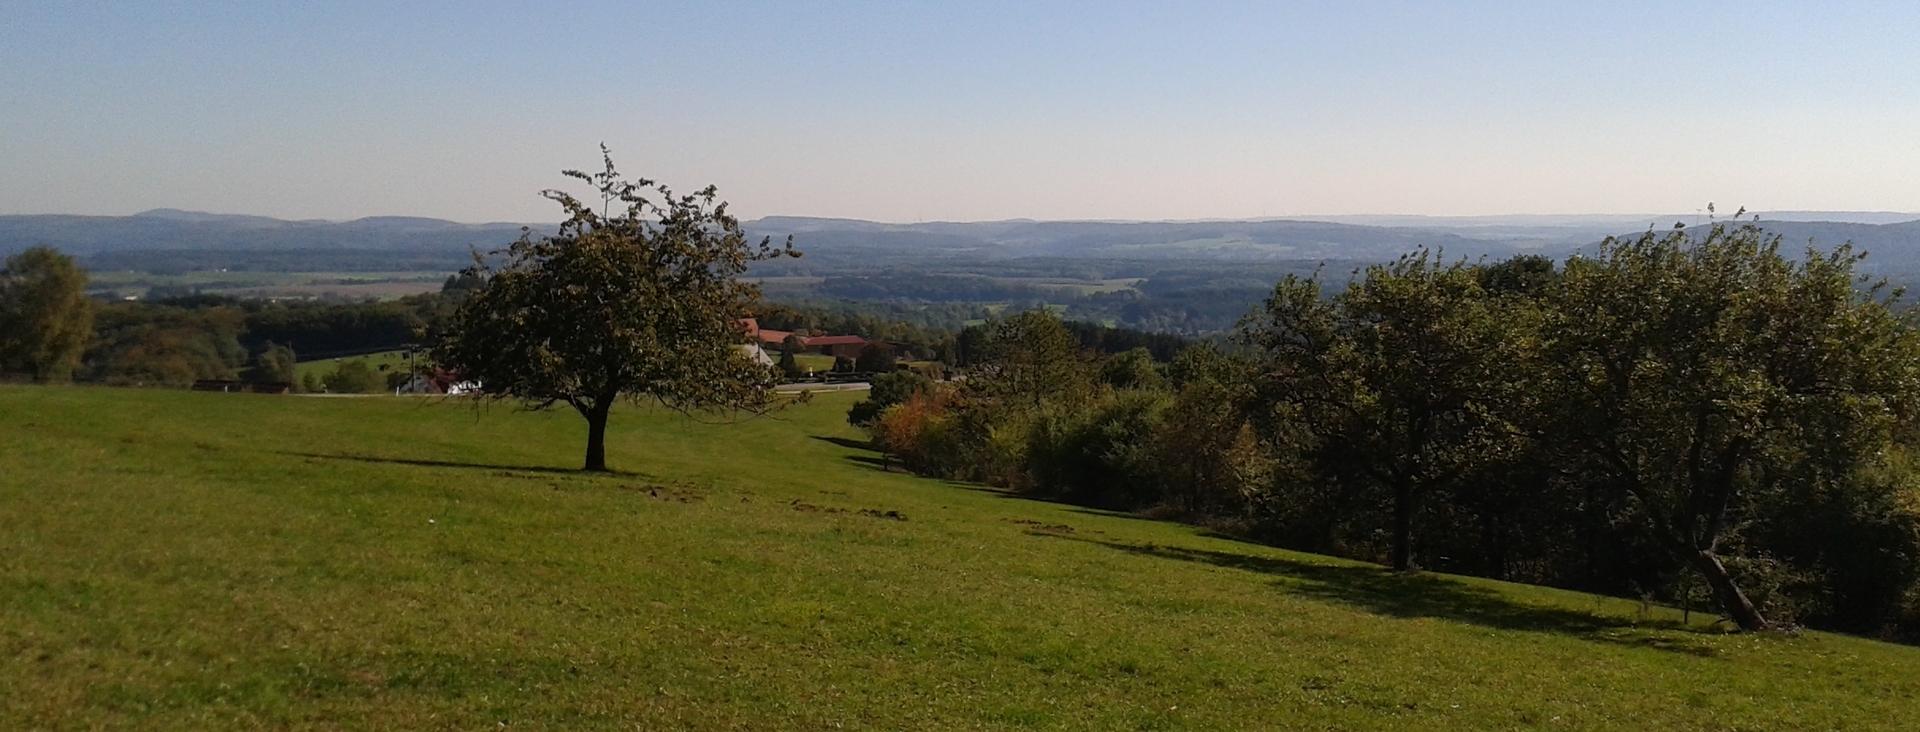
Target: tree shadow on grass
x,y
454,464
1381,591
848,442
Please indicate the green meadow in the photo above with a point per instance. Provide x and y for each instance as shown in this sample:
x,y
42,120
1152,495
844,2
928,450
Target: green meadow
x,y
393,360
184,560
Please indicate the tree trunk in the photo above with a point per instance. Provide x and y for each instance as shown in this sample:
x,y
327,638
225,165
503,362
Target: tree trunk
x,y
1402,526
596,439
1727,592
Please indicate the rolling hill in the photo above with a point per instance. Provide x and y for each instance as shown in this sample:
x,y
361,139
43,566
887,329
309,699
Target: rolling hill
x,y
204,561
1357,238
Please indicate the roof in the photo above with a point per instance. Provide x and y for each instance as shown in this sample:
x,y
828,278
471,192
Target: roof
x,y
843,340
774,336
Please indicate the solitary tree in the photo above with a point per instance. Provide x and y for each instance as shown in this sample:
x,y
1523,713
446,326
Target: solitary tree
x,y
637,296
45,318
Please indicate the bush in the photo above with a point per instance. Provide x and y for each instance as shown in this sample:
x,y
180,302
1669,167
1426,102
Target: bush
x,y
1103,456
1204,456
353,377
888,389
1133,369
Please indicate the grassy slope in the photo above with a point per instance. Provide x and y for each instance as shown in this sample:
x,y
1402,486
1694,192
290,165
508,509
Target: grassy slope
x,y
175,559
394,360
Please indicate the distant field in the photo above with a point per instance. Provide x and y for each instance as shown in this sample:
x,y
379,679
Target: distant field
x,y
378,285
185,560
393,360
813,361
1072,286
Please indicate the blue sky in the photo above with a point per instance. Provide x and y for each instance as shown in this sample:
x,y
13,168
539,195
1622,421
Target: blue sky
x,y
916,111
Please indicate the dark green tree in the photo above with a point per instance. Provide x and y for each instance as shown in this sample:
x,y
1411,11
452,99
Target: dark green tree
x,y
790,366
353,376
273,365
1707,375
45,317
1031,358
1394,386
893,387
1132,369
637,296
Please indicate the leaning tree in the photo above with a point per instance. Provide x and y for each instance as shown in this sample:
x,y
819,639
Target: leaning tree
x,y
1703,376
637,296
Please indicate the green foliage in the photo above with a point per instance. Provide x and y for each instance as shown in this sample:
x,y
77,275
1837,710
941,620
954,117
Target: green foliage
x,y
353,377
638,304
397,379
1675,415
877,357
1031,358
1528,275
45,317
1099,455
888,389
141,344
1134,369
1705,376
275,365
1396,387
789,365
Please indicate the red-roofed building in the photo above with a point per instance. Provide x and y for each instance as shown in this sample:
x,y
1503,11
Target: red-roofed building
x,y
837,346
764,336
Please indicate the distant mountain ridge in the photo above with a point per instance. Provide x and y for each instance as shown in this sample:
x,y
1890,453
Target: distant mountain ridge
x,y
170,229
1891,237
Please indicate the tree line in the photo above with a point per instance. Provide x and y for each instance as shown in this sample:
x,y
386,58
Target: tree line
x,y
50,331
1689,417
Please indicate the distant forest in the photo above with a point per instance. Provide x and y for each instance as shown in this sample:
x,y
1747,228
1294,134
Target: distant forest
x,y
1190,278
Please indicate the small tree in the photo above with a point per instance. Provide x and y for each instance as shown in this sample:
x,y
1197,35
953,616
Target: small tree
x,y
790,365
273,365
353,376
640,299
893,387
1031,358
45,317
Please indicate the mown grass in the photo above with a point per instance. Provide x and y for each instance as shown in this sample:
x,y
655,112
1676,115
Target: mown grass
x,y
192,561
813,362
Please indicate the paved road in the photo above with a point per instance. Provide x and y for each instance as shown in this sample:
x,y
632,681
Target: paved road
x,y
849,386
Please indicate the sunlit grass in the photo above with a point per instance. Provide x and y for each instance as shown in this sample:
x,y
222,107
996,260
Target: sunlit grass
x,y
191,560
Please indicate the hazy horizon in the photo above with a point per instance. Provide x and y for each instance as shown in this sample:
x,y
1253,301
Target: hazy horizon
x,y
1701,214
982,113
